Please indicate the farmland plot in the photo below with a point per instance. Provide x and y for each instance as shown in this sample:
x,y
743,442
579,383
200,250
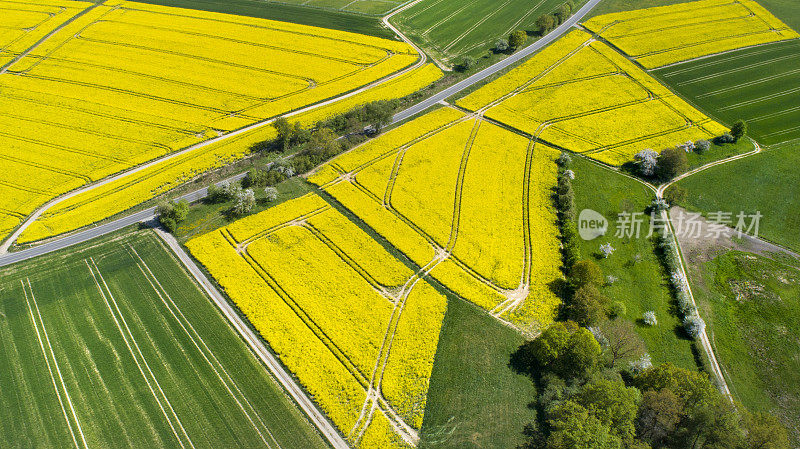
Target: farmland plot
x,y
113,345
439,25
432,189
757,84
581,95
371,7
24,23
663,35
129,82
356,326
118,196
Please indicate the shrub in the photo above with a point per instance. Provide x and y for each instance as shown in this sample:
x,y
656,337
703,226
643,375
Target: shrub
x,y
675,194
611,279
245,200
585,272
644,363
501,45
725,138
468,63
701,146
586,307
671,163
171,213
738,130
649,318
564,160
617,309
517,39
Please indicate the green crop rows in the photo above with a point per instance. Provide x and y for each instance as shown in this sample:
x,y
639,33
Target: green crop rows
x,y
113,345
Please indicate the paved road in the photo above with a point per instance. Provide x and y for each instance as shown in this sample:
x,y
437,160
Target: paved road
x,y
146,215
258,347
505,63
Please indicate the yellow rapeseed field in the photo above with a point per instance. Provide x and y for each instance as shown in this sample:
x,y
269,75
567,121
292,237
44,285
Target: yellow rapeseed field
x,y
432,189
582,95
129,82
304,268
664,35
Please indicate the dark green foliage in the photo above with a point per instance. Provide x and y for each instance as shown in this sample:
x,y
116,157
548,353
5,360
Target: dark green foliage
x,y
572,426
545,23
170,214
587,305
658,416
739,130
617,309
585,272
467,64
671,163
613,404
517,39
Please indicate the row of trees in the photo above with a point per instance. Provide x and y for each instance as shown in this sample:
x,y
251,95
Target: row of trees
x,y
673,162
310,147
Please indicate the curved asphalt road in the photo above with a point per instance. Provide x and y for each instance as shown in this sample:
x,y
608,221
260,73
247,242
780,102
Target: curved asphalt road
x,y
149,214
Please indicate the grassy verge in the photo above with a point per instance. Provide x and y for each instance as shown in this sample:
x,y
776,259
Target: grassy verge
x,y
205,216
751,305
475,400
641,284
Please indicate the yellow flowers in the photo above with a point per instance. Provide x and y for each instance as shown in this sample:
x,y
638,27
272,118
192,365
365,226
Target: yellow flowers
x,y
129,82
666,34
360,320
582,95
468,201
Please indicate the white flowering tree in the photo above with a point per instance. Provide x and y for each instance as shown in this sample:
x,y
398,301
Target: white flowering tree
x,y
606,250
694,325
270,194
245,200
647,160
644,363
649,318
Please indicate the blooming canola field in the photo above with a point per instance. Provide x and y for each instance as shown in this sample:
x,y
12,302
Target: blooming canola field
x,y
582,95
348,301
126,83
432,189
356,326
663,35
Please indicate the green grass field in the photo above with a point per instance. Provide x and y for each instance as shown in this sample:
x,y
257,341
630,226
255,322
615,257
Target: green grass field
x,y
641,284
373,7
768,183
112,345
475,400
325,18
452,28
757,84
751,305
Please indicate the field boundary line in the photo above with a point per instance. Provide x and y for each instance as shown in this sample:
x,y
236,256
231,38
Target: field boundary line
x,y
133,355
142,265
50,370
47,36
257,345
422,58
